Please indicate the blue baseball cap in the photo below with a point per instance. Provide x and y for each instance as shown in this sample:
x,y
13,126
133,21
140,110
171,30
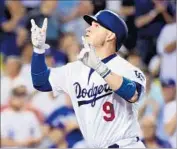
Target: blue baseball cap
x,y
112,22
168,83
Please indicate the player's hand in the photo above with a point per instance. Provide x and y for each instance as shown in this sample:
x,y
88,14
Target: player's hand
x,y
160,6
88,55
38,36
89,58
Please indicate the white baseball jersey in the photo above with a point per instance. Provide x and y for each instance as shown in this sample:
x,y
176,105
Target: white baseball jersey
x,y
19,126
103,116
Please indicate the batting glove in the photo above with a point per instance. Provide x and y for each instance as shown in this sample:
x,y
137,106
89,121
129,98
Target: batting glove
x,y
38,36
89,58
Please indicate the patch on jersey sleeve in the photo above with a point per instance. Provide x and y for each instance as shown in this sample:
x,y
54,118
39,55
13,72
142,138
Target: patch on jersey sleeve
x,y
139,75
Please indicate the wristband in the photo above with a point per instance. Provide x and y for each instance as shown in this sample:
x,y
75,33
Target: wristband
x,y
102,70
38,51
127,89
42,49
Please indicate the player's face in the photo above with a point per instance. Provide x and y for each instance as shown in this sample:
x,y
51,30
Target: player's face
x,y
96,34
17,103
18,99
169,93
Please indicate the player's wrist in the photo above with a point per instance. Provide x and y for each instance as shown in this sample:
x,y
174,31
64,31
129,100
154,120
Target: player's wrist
x,y
102,69
39,51
42,49
153,13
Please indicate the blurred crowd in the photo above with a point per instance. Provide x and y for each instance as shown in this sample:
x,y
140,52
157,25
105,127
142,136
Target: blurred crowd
x,y
33,119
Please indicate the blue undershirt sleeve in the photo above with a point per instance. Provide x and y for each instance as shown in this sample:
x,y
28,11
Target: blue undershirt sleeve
x,y
127,89
40,73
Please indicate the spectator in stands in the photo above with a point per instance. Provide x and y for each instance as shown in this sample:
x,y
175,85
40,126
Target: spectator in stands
x,y
98,5
113,5
154,66
56,55
47,9
70,16
166,46
70,45
2,13
19,127
46,103
151,16
26,56
12,69
152,103
11,33
150,139
31,5
49,59
135,60
148,105
62,122
12,77
127,10
170,121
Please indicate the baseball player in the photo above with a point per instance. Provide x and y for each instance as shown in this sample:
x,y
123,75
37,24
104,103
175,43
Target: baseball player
x,y
104,88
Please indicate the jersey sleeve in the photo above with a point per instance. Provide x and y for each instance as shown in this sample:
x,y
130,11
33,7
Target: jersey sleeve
x,y
127,70
59,78
139,78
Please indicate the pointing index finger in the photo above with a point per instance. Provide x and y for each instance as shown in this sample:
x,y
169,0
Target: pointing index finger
x,y
33,24
85,43
44,26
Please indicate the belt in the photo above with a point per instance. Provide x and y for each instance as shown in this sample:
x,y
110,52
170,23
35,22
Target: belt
x,y
117,145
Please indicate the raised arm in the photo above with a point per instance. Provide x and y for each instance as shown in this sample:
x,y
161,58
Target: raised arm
x,y
146,18
84,7
16,11
162,7
170,126
39,71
